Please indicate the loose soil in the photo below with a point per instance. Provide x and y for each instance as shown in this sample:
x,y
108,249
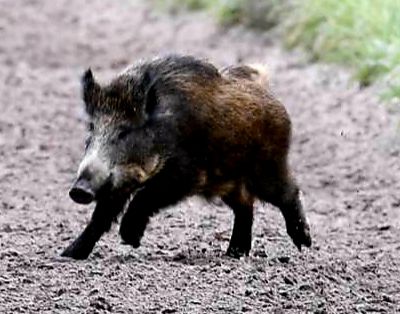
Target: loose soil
x,y
345,154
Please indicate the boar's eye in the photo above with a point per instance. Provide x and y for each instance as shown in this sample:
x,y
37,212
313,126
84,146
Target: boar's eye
x,y
124,132
90,127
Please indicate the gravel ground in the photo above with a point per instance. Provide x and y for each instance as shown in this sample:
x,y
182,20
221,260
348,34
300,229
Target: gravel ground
x,y
345,154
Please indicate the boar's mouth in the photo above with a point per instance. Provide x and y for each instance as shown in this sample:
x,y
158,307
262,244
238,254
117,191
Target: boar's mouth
x,y
125,181
82,192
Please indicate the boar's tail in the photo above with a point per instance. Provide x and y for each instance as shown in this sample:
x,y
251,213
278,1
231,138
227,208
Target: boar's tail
x,y
253,72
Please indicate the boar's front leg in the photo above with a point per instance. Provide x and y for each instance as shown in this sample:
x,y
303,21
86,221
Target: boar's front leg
x,y
105,212
242,204
145,204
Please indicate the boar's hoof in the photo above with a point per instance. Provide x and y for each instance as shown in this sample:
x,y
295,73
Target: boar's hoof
x,y
134,244
129,239
237,252
300,233
76,252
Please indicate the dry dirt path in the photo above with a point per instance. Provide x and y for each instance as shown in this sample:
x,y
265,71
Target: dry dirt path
x,y
345,153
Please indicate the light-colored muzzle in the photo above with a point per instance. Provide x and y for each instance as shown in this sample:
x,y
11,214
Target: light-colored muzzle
x,y
93,175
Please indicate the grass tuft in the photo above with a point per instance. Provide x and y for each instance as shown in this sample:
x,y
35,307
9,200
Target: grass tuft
x,y
261,14
177,5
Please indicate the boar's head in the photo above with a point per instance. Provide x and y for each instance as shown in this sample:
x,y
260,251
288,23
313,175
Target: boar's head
x,y
126,145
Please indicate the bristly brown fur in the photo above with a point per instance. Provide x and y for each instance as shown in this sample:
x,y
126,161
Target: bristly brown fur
x,y
215,133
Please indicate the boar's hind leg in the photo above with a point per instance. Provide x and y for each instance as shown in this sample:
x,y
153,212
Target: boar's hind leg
x,y
104,214
145,204
281,191
241,203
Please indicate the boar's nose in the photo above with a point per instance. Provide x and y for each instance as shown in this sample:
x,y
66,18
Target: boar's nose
x,y
81,192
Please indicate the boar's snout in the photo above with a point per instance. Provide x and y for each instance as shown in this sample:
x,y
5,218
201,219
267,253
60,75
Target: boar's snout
x,y
93,177
82,192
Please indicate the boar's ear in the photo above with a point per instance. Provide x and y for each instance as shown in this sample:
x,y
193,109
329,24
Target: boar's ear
x,y
90,91
148,87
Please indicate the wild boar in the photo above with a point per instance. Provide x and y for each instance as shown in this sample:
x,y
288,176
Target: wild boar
x,y
174,127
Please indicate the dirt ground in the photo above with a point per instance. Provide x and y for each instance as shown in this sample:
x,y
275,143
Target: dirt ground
x,y
345,153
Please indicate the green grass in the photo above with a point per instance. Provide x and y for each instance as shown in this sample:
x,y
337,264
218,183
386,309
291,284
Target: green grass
x,y
176,5
361,34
